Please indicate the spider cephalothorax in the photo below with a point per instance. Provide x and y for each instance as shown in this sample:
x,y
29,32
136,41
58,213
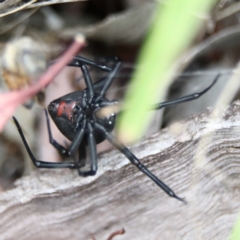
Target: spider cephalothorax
x,y
75,115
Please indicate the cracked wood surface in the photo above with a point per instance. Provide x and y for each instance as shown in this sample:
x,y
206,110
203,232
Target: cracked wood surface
x,y
57,204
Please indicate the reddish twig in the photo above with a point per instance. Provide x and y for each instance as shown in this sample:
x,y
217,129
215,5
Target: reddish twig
x,y
118,232
11,100
112,235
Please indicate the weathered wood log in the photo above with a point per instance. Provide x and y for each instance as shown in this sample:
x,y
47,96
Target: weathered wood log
x,y
58,204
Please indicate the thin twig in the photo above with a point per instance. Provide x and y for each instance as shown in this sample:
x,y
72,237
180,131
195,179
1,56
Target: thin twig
x,y
11,100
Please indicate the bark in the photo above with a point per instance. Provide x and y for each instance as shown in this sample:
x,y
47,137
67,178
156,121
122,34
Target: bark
x,y
58,204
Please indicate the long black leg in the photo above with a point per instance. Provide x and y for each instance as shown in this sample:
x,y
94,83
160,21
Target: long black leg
x,y
109,79
77,59
82,156
43,164
93,154
109,103
135,161
78,120
104,82
62,150
88,82
75,143
99,84
184,98
158,106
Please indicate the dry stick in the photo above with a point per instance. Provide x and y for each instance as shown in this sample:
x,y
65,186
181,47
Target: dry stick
x,y
51,2
118,232
119,195
227,12
32,4
200,164
17,9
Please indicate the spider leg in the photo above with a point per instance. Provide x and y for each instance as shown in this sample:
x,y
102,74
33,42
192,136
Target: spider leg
x,y
88,82
82,156
75,143
62,150
109,79
103,83
39,163
100,83
78,120
135,161
93,154
77,59
90,86
185,98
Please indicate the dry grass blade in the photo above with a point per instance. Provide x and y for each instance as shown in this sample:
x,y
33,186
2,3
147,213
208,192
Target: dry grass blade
x,y
17,21
12,6
16,9
4,5
51,2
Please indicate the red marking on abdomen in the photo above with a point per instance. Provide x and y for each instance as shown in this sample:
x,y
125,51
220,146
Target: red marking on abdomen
x,y
66,108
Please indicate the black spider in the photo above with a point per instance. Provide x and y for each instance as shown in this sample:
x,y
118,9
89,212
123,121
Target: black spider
x,y
75,116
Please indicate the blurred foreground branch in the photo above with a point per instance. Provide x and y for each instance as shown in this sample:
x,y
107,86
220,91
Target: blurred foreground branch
x,y
57,204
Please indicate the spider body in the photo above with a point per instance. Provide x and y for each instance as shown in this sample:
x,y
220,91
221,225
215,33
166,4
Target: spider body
x,y
75,115
73,110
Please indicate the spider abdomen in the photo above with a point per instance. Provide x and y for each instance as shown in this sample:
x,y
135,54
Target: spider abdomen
x,y
70,111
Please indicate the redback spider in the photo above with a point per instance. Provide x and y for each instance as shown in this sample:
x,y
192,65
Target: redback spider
x,y
75,116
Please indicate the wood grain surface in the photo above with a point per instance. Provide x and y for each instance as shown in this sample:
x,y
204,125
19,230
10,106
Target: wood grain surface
x,y
58,204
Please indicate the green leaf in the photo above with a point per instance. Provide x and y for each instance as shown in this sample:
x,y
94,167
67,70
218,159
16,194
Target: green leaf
x,y
175,25
235,235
